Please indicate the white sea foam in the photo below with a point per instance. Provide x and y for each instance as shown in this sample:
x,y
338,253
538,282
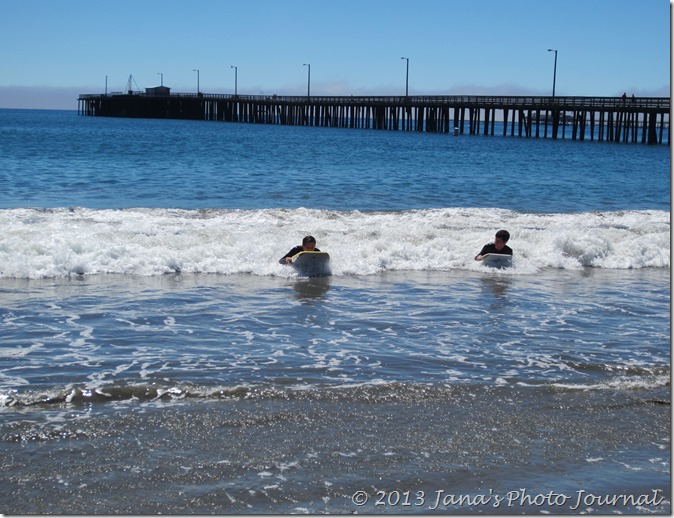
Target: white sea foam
x,y
39,243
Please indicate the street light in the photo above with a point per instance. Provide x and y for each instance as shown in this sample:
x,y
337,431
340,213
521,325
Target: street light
x,y
407,77
236,79
197,71
554,75
308,79
162,78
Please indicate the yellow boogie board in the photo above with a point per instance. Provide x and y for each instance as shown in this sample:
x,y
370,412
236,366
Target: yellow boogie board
x,y
497,260
312,264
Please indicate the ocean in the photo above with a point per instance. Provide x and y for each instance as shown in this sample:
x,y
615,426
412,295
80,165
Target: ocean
x,y
156,358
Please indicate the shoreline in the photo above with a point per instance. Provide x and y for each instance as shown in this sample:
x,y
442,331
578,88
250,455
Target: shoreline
x,y
315,456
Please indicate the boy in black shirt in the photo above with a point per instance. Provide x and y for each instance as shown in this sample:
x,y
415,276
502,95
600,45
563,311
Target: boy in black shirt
x,y
308,245
497,247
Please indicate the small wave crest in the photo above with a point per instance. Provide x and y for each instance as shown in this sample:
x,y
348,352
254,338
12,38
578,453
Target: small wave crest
x,y
373,392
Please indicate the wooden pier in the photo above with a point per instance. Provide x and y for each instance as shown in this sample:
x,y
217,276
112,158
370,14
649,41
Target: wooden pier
x,y
610,119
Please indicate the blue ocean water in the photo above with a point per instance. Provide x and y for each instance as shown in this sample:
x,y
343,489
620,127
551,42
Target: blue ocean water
x,y
120,163
156,357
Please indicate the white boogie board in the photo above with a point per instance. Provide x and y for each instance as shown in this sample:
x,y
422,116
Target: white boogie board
x,y
312,264
497,260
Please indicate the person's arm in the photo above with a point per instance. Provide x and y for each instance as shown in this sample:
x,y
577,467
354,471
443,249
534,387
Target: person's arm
x,y
282,260
286,258
479,256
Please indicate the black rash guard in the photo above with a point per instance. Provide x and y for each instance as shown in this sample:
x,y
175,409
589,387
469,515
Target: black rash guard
x,y
491,249
294,251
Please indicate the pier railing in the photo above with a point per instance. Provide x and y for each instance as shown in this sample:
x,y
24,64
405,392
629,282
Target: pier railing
x,y
587,102
615,119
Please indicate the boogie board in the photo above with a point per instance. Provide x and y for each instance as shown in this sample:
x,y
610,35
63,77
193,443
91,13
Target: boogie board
x,y
497,260
312,264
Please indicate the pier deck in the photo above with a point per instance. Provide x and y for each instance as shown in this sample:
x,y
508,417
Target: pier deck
x,y
611,119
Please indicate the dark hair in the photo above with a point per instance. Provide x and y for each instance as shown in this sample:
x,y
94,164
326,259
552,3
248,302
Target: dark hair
x,y
308,239
503,234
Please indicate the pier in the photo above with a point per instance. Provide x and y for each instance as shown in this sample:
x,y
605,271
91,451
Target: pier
x,y
610,119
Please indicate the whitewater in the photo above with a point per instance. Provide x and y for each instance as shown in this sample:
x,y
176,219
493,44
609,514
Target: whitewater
x,y
41,243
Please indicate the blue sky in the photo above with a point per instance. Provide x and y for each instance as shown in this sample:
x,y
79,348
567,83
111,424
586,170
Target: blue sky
x,y
54,50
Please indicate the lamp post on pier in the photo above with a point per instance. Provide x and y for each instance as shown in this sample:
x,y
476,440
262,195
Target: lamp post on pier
x,y
554,74
308,79
236,79
407,77
197,71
